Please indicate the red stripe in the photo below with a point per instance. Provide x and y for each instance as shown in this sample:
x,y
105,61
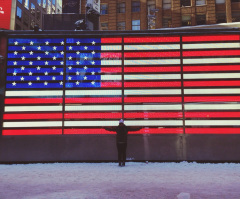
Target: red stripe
x,y
21,116
212,68
211,83
212,130
210,53
211,38
150,39
151,54
142,115
213,99
111,55
87,131
111,84
152,84
33,100
151,69
111,69
211,114
93,115
151,99
33,132
111,40
94,100
158,131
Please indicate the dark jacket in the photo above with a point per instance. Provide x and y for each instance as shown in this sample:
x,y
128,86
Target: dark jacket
x,y
122,132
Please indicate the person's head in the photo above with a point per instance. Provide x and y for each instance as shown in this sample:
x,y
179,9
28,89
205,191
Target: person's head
x,y
121,122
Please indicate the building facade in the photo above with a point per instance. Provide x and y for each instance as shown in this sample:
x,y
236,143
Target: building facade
x,y
154,14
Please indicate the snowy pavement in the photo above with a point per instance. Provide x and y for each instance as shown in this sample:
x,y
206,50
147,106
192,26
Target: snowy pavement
x,y
108,181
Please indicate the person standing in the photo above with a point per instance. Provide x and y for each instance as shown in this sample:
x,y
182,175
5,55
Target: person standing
x,y
121,139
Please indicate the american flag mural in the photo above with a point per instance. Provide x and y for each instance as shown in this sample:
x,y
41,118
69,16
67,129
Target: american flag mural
x,y
167,84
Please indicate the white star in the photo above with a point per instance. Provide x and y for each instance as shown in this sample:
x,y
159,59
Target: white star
x,y
85,77
38,58
85,67
22,68
30,63
92,82
14,74
30,83
62,42
85,58
38,78
61,62
77,83
85,47
46,73
93,52
15,43
54,58
31,42
53,78
93,62
69,78
77,62
93,73
23,48
54,67
54,48
46,63
61,73
93,43
70,47
38,68
45,83
30,73
46,53
78,42
23,58
22,78
39,47
14,83
70,58
77,73
31,53
47,42
62,53
70,67
15,53
61,83
15,63
78,52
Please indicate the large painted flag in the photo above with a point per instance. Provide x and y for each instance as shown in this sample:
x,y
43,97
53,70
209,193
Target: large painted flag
x,y
34,82
152,84
211,66
93,95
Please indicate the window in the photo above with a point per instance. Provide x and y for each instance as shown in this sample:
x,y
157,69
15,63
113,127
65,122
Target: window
x,y
167,4
44,3
167,22
151,5
121,25
19,13
235,16
235,1
135,24
201,19
104,9
135,6
49,7
104,26
26,4
220,1
186,20
39,2
121,7
38,14
221,17
18,27
200,2
32,9
185,2
53,2
20,1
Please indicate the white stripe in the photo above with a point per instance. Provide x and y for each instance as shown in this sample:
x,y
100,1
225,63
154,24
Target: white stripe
x,y
111,77
111,62
32,108
152,107
212,91
152,77
211,76
93,92
32,124
111,47
212,106
91,123
152,47
212,122
152,62
94,108
154,123
153,92
211,60
211,45
33,93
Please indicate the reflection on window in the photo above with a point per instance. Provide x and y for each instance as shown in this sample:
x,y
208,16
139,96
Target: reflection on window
x,y
49,7
221,17
121,25
167,22
121,7
167,4
185,2
104,9
39,2
44,3
135,6
32,9
26,4
104,26
220,1
135,24
201,19
200,2
53,2
19,13
20,1
186,20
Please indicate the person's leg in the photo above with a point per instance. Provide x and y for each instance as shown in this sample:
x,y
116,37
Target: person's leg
x,y
124,154
119,155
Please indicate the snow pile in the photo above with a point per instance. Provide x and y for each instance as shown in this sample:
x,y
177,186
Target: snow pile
x,y
108,181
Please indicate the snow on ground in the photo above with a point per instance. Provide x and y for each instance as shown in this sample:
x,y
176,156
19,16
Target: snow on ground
x,y
108,181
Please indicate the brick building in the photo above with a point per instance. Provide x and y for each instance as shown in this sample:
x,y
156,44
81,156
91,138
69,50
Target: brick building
x,y
153,14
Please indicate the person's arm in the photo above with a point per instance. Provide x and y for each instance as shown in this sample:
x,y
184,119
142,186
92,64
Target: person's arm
x,y
134,128
110,128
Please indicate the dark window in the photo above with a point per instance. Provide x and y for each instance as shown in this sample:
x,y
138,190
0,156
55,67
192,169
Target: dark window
x,y
25,19
235,0
167,4
18,27
19,13
201,19
135,24
32,9
135,6
104,26
167,22
185,2
186,20
121,7
236,16
104,9
221,17
121,25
